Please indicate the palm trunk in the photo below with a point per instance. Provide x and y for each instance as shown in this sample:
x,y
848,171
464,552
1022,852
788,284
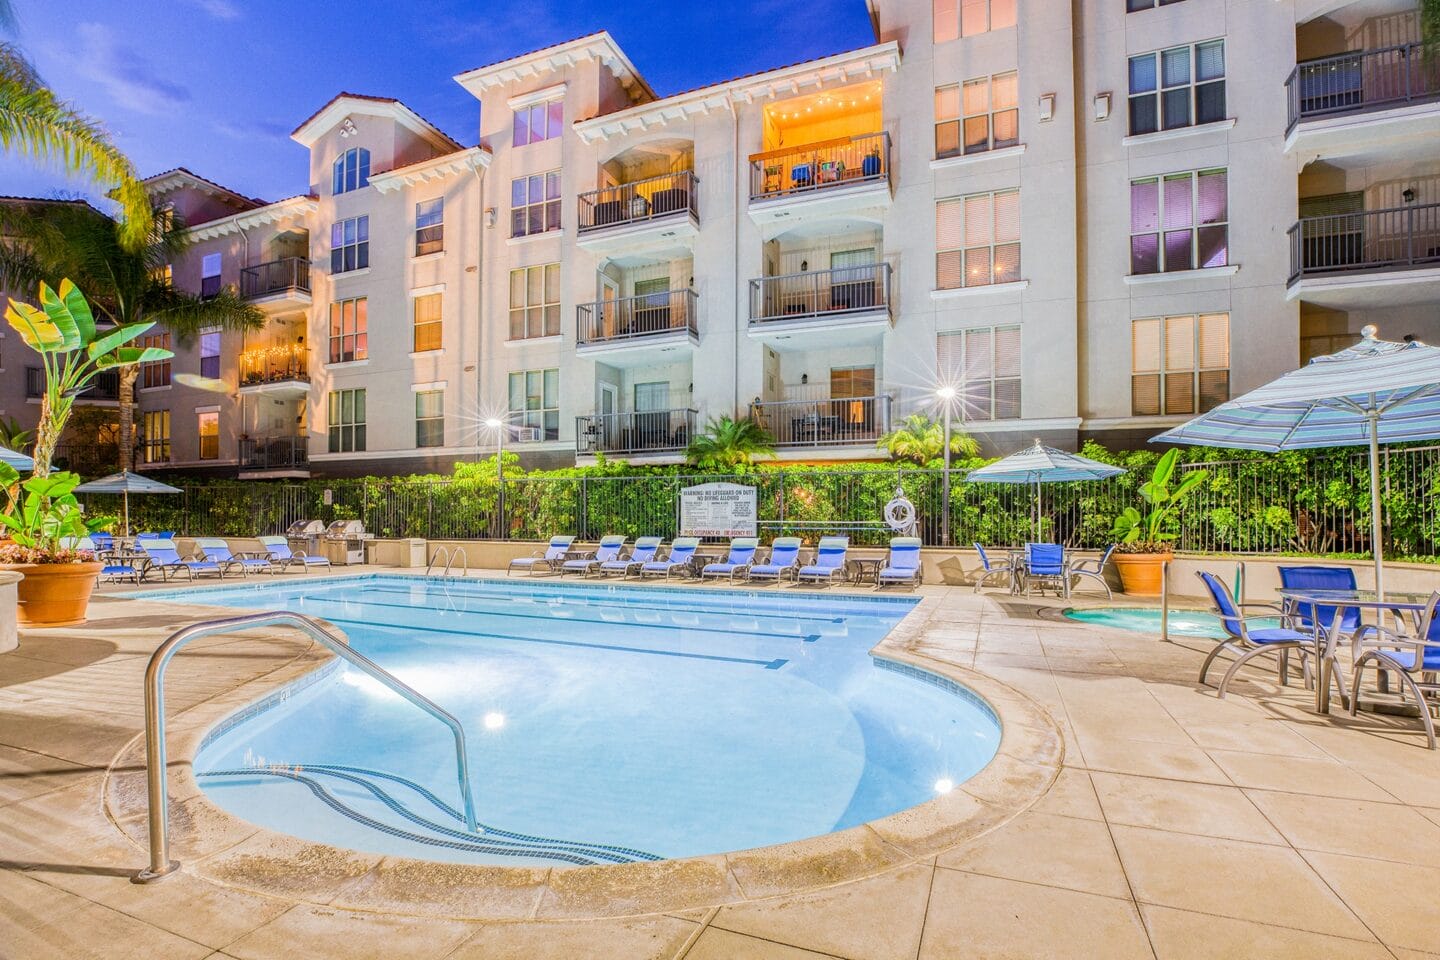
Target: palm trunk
x,y
45,439
128,376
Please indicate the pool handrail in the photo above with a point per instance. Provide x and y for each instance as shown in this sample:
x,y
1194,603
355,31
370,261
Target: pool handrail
x,y
155,765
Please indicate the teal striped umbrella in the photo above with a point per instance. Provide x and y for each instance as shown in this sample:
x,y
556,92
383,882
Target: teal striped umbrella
x,y
1041,464
1375,392
17,460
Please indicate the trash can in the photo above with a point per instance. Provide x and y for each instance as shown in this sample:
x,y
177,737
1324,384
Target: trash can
x,y
413,552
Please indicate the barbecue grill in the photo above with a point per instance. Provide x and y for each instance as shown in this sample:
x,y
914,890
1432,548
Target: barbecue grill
x,y
345,541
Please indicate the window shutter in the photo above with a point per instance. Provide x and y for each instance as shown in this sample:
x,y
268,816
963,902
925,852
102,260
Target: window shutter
x,y
977,96
1214,341
1210,60
1007,351
1144,206
1005,93
948,355
947,103
1178,201
948,235
1002,14
947,20
978,213
1007,216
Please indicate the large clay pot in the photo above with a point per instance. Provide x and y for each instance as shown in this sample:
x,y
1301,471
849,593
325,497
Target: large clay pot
x,y
1141,574
54,594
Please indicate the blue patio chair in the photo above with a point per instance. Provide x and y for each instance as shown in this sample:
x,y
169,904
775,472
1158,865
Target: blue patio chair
x,y
829,562
1249,643
218,551
548,561
903,565
680,559
737,562
1092,568
163,535
1045,565
162,555
784,561
1321,616
282,558
104,542
112,570
609,549
990,570
1415,658
642,553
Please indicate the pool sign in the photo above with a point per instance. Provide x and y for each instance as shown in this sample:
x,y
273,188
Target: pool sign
x,y
717,510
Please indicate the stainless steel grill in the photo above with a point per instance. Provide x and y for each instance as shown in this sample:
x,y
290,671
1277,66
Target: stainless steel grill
x,y
305,535
346,539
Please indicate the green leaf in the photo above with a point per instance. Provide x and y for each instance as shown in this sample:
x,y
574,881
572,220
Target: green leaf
x,y
1160,477
34,327
129,356
79,310
116,338
59,315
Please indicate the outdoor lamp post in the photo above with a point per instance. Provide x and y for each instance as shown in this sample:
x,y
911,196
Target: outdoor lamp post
x,y
498,426
947,398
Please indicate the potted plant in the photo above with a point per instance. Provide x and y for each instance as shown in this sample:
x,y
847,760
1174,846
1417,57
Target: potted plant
x,y
1143,539
40,520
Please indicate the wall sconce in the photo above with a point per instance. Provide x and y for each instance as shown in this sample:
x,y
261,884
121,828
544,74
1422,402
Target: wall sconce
x,y
489,216
1047,107
804,378
1409,195
1102,106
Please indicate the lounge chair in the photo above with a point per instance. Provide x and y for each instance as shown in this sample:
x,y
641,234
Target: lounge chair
x,y
680,559
829,562
642,553
549,561
218,551
784,561
1242,639
162,535
1090,568
1415,658
989,570
737,562
111,571
610,548
162,555
1045,565
278,552
903,565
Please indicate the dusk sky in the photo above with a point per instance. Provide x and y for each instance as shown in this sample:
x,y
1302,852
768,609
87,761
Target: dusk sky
x,y
217,85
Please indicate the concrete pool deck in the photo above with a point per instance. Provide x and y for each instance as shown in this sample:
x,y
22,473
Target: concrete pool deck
x,y
1168,824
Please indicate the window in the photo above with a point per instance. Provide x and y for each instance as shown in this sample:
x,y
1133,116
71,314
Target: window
x,y
1133,5
210,275
1191,87
539,121
350,244
155,373
429,226
208,427
348,340
156,424
535,401
985,111
210,354
427,322
430,418
984,365
1179,222
535,204
535,302
351,170
1178,362
966,18
347,421
977,240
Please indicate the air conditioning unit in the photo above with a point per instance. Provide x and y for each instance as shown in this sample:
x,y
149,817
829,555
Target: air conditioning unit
x,y
527,434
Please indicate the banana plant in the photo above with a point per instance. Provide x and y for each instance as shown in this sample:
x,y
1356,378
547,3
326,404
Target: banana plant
x,y
1151,531
73,353
44,514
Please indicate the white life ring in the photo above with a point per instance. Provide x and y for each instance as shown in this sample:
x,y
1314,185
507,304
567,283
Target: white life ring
x,y
900,514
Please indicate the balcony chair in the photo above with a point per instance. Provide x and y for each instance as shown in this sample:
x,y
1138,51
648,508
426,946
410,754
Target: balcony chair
x,y
1045,565
829,562
217,551
784,561
609,549
989,570
549,560
1247,642
737,562
680,559
1415,658
642,553
278,552
801,175
162,555
1092,568
904,563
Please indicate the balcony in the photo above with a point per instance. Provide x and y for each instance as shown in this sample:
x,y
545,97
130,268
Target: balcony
x,y
105,388
829,178
825,424
279,369
1366,105
636,330
651,433
1375,258
653,214
275,456
850,302
277,286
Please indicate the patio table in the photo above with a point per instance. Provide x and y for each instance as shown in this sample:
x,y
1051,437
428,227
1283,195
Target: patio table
x,y
1018,571
866,568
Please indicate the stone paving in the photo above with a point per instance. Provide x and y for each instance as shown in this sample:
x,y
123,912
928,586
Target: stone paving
x,y
1179,825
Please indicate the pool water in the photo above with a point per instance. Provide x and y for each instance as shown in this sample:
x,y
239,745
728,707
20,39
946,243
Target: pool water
x,y
605,724
1183,623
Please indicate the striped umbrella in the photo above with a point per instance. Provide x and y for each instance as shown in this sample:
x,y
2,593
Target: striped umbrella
x,y
1041,464
1375,392
126,483
17,460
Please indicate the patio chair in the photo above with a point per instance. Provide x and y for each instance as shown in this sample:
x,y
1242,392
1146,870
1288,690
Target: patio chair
x,y
610,547
162,555
680,559
903,565
112,571
218,551
1045,565
784,561
163,535
990,570
1321,616
642,553
282,558
829,561
736,563
104,542
1089,567
549,560
1242,639
1415,658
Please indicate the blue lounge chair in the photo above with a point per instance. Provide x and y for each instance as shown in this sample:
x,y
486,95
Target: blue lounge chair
x,y
1312,616
278,552
903,565
680,559
829,562
1242,639
610,548
1091,568
163,535
218,551
549,561
784,561
111,571
642,553
737,562
1045,565
1415,658
989,570
162,555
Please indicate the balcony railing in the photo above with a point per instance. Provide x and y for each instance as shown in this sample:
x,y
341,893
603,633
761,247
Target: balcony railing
x,y
273,365
654,431
273,453
820,166
1369,240
277,276
1363,80
654,198
632,318
105,386
821,293
824,423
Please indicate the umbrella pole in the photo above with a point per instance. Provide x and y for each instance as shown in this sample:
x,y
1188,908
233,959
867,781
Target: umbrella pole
x,y
1376,548
125,499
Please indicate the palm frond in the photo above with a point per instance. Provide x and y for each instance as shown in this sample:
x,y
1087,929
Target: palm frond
x,y
185,314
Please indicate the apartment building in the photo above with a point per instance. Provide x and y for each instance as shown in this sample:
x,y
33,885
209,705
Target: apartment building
x,y
1092,220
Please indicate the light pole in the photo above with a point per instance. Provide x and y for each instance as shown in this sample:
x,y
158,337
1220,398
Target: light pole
x,y
947,397
499,427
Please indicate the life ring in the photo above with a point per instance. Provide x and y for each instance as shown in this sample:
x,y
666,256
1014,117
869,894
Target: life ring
x,y
900,514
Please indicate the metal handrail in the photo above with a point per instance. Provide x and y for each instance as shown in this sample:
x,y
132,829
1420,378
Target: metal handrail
x,y
1360,80
464,562
435,558
159,797
1365,240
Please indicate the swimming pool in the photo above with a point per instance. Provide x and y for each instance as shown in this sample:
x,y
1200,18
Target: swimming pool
x,y
1183,623
606,724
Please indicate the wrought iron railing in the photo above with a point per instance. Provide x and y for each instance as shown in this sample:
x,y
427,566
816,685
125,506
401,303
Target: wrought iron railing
x,y
631,318
1362,80
651,431
1367,240
273,365
654,198
820,166
824,423
277,276
821,293
270,453
105,387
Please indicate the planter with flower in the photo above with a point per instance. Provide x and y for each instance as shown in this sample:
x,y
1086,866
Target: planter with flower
x,y
1143,540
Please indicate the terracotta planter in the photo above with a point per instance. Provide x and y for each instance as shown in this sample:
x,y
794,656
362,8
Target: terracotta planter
x,y
54,594
1141,574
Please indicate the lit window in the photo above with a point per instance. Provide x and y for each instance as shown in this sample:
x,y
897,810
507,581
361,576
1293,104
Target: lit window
x,y
346,421
967,18
977,240
1179,222
350,244
430,418
984,366
535,402
155,373
427,322
535,302
535,204
351,170
539,121
1178,87
210,275
210,354
348,339
208,427
984,111
1180,365
156,426
429,226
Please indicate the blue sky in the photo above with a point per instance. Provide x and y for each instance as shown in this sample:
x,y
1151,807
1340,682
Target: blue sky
x,y
217,85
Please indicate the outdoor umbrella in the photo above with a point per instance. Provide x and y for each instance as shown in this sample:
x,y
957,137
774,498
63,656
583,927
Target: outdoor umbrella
x,y
125,483
1375,392
17,460
1041,464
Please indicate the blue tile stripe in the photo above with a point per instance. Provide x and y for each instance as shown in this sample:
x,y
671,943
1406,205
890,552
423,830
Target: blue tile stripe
x,y
936,680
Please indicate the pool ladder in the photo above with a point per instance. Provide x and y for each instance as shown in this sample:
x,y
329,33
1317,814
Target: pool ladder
x,y
159,797
450,556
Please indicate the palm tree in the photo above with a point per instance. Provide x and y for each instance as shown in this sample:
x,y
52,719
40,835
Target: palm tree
x,y
728,442
922,439
37,124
